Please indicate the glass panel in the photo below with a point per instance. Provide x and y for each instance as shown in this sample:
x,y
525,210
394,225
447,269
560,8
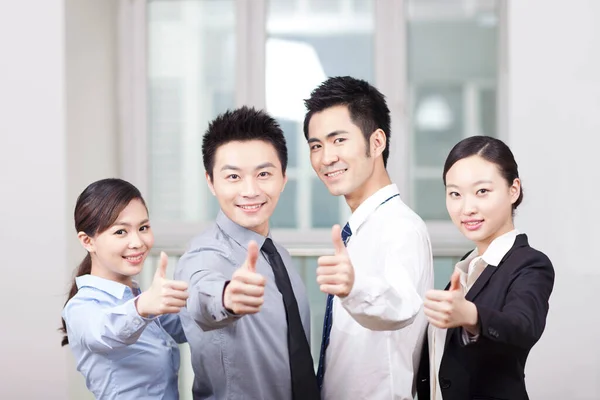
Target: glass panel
x,y
438,123
443,268
452,78
306,43
285,212
432,199
323,203
191,69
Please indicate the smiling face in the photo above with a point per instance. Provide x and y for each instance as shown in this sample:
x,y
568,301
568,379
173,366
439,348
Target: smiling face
x,y
341,157
119,252
479,200
247,181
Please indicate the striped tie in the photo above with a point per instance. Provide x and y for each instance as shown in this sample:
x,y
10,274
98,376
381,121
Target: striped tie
x,y
328,320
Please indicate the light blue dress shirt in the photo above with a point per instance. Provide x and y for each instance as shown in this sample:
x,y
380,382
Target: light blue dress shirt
x,y
121,354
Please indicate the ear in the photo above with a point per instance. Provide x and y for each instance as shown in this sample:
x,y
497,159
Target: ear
x,y
515,190
378,142
210,184
285,179
86,241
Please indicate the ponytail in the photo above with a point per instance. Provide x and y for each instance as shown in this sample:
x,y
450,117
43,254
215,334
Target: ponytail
x,y
84,268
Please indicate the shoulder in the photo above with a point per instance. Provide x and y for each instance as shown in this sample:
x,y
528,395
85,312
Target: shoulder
x,y
87,298
397,222
524,259
209,243
524,254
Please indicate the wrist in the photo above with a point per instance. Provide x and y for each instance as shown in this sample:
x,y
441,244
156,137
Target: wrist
x,y
140,306
472,322
225,298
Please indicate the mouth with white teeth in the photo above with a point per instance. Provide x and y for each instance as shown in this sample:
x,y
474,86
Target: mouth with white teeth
x,y
335,174
250,208
473,225
135,259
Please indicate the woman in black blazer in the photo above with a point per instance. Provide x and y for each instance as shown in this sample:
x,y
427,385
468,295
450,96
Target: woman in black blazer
x,y
494,309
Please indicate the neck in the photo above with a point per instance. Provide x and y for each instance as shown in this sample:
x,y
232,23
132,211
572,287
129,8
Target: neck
x,y
102,273
378,180
483,245
262,229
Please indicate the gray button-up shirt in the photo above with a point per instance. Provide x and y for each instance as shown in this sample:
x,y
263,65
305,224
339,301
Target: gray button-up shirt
x,y
236,357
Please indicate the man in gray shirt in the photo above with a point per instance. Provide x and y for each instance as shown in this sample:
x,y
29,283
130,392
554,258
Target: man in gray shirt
x,y
247,318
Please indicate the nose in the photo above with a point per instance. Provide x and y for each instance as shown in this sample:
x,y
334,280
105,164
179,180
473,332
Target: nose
x,y
329,155
135,240
250,188
469,206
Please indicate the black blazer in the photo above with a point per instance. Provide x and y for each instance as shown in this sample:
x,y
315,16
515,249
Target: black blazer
x,y
512,303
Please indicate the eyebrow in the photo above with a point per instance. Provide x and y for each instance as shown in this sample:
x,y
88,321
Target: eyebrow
x,y
128,224
329,135
474,184
260,166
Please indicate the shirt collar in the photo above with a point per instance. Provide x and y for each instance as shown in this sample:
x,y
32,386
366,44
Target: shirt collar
x,y
113,288
238,233
498,248
362,213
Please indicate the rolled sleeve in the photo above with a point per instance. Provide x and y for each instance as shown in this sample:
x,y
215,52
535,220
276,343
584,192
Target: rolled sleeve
x,y
387,298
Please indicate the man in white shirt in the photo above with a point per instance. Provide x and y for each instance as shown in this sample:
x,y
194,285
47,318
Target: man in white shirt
x,y
374,323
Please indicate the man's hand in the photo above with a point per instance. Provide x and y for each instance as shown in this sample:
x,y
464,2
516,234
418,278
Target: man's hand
x,y
335,274
244,294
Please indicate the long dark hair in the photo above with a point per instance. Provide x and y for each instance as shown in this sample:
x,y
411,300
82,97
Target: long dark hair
x,y
97,208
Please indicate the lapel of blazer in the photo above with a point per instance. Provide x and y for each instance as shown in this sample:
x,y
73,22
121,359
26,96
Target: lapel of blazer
x,y
485,276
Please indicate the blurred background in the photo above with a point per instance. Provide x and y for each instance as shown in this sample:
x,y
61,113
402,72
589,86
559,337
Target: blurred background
x,y
91,89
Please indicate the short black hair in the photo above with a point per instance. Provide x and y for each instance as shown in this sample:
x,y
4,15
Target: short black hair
x,y
242,124
490,149
367,106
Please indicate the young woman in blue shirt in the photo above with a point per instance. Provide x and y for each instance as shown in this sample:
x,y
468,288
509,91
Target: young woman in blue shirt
x,y
124,340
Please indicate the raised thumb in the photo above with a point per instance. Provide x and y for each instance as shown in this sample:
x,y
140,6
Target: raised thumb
x,y
161,269
455,281
336,238
252,256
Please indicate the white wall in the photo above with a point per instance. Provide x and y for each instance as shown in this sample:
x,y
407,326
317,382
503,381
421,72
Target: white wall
x,y
58,133
33,210
91,98
554,122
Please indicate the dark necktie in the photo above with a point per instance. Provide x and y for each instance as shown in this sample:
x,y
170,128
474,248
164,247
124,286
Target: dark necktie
x,y
304,384
328,320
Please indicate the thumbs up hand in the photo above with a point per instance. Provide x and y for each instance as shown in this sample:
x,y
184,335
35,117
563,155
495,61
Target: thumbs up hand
x,y
244,294
165,296
449,308
335,274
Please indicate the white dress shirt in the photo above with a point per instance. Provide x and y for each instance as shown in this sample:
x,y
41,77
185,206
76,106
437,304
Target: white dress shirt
x,y
378,329
437,337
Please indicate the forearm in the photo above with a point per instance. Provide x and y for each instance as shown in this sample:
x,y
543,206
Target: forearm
x,y
103,330
206,307
377,305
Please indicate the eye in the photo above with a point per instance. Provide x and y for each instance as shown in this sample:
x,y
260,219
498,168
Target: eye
x,y
482,191
144,228
315,147
339,140
120,232
264,174
454,195
233,177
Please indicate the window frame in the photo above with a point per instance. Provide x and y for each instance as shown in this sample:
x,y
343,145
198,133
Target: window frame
x,y
390,65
